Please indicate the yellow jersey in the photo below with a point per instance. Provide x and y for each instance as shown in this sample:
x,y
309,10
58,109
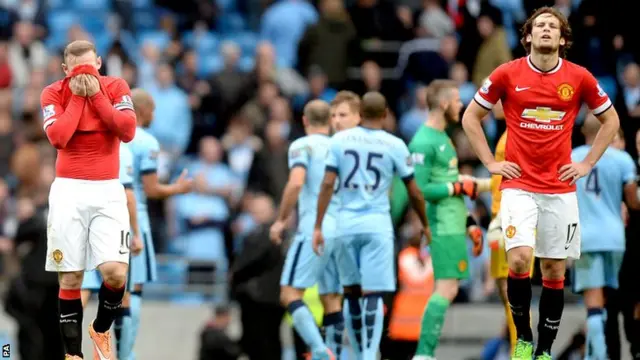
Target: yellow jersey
x,y
496,195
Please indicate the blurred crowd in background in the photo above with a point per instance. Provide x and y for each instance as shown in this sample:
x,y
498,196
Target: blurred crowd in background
x,y
230,78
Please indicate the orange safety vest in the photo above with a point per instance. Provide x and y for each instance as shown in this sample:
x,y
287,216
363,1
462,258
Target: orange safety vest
x,y
415,286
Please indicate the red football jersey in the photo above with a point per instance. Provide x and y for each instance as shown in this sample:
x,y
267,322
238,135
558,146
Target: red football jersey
x,y
540,110
87,130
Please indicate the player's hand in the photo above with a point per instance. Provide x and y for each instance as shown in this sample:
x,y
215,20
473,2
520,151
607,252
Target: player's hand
x,y
475,234
184,184
77,86
466,187
427,235
92,84
318,242
275,232
494,234
574,171
136,245
507,169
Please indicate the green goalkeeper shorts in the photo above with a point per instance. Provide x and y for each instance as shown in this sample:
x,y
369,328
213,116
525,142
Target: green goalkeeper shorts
x,y
450,257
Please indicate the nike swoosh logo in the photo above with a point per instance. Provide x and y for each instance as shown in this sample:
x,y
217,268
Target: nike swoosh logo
x,y
67,315
518,89
442,148
123,252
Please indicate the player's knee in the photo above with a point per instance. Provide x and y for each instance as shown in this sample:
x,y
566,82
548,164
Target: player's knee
x,y
114,273
447,288
70,280
553,269
289,295
520,259
331,303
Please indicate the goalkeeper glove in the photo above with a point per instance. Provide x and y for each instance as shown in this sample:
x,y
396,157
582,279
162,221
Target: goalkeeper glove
x,y
475,233
465,187
494,234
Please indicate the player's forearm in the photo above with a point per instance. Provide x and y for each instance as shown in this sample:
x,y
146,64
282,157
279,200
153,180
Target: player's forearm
x,y
418,204
472,126
133,211
61,129
289,199
161,191
436,192
603,139
121,122
326,191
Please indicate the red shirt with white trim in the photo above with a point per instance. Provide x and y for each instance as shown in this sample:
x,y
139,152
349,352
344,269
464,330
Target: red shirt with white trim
x,y
540,110
87,131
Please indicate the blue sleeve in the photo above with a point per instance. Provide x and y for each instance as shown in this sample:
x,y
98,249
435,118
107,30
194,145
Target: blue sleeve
x,y
402,161
298,155
628,169
333,155
149,156
126,167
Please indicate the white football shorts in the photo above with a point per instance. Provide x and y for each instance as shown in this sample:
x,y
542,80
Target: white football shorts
x,y
88,224
548,223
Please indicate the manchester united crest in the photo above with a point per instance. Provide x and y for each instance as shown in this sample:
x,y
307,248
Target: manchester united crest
x,y
510,231
462,265
565,92
57,256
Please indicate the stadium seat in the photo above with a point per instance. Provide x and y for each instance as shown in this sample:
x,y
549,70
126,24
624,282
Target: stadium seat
x,y
210,64
141,4
157,37
202,42
226,5
96,5
608,84
61,20
94,24
231,23
145,20
246,40
246,63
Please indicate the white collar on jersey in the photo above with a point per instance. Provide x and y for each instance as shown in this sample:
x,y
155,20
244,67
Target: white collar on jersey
x,y
534,68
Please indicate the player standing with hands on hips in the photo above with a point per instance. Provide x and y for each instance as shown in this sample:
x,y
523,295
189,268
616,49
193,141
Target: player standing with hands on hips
x,y
541,95
86,117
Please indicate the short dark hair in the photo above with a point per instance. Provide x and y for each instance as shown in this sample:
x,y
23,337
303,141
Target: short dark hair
x,y
78,48
436,90
374,105
565,29
317,112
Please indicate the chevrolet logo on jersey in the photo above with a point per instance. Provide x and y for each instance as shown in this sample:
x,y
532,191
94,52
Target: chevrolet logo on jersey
x,y
543,114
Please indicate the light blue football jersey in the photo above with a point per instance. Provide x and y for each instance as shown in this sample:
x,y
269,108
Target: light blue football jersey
x,y
366,161
145,149
126,166
600,197
311,152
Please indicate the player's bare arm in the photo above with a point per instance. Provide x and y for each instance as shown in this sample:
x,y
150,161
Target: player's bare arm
x,y
156,190
136,243
472,125
61,123
631,195
326,192
419,205
610,125
289,199
121,121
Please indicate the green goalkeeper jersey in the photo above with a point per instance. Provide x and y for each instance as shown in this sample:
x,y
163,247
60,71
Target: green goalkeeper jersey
x,y
436,166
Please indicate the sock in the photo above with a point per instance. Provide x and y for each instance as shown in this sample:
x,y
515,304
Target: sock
x,y
635,344
70,306
305,325
117,327
551,307
373,322
596,343
513,335
109,303
519,294
431,326
334,328
352,312
130,325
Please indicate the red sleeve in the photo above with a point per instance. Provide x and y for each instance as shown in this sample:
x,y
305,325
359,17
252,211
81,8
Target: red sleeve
x,y
59,123
492,89
592,94
119,117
